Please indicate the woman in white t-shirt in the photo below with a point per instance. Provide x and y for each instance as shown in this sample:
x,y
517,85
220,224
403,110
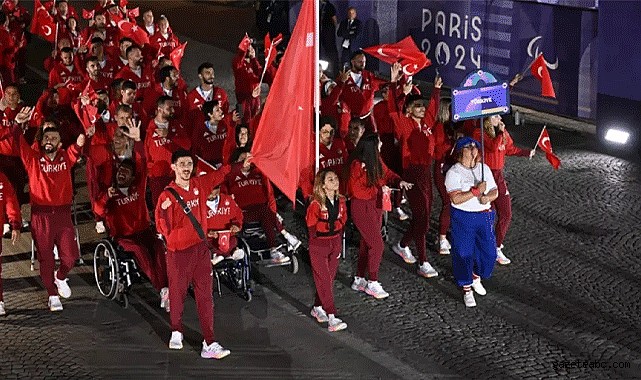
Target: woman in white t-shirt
x,y
472,219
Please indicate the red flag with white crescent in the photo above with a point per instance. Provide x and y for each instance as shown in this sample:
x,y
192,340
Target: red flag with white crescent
x,y
133,31
176,55
546,146
244,43
133,13
540,71
223,240
405,51
270,48
88,15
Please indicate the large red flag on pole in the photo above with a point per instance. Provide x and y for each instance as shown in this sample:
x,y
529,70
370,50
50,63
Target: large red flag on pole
x,y
540,71
546,146
282,148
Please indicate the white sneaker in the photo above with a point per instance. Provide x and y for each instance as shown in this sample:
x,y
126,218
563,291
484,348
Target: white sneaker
x,y
164,298
375,289
54,303
100,227
405,253
320,314
63,289
444,247
426,270
359,284
292,241
335,324
213,351
278,257
468,298
401,214
2,310
478,287
500,257
6,228
238,254
215,259
176,341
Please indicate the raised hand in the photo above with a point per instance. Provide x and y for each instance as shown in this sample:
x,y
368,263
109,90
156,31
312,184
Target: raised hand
x,y
81,140
406,185
438,81
395,72
24,115
134,129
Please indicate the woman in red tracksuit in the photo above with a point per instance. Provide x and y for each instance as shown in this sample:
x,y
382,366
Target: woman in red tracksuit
x,y
367,177
326,217
498,144
444,138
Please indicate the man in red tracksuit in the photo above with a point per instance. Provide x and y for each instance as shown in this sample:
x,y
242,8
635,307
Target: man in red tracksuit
x,y
66,72
212,131
164,136
136,72
247,71
51,188
168,85
124,208
8,206
163,40
10,106
358,90
413,130
206,91
188,258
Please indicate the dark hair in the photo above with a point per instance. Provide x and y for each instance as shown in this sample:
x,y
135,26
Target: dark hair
x,y
237,152
128,163
366,151
179,153
128,85
239,128
130,49
356,120
66,50
208,107
165,73
411,99
97,40
93,58
327,120
205,65
3,17
356,54
125,108
162,100
126,39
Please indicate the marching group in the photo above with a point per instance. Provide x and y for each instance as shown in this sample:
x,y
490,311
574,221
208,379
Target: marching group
x,y
116,101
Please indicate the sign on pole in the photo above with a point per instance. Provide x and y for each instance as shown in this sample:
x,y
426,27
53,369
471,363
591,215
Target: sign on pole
x,y
480,95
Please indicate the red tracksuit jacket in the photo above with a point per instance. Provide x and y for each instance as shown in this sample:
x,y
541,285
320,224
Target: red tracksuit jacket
x,y
143,82
173,223
251,189
360,100
126,213
158,150
357,184
154,92
208,145
246,75
318,219
195,100
496,149
227,214
166,45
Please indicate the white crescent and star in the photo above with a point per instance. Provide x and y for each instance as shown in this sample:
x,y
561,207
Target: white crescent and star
x,y
540,71
545,141
47,30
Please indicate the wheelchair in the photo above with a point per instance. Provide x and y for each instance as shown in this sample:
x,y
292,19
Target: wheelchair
x,y
235,274
252,241
115,271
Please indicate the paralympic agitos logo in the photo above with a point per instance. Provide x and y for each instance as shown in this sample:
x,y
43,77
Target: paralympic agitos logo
x,y
533,51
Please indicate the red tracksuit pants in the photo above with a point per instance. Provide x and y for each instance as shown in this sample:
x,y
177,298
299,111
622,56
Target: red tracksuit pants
x,y
503,207
1,291
149,252
191,266
52,225
368,220
267,218
420,199
323,255
444,216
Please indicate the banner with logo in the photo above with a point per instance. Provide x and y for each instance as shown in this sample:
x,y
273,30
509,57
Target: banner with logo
x,y
505,36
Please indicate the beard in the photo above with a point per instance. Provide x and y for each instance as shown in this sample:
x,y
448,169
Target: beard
x,y
49,148
209,81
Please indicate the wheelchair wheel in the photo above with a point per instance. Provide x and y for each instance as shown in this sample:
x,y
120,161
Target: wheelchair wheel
x,y
106,269
293,265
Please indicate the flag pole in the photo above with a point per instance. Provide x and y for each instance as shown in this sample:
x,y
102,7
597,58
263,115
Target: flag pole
x,y
55,43
530,65
316,85
482,151
269,53
539,139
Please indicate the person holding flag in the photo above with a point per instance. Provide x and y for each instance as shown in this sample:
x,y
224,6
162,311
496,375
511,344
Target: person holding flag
x,y
164,39
498,143
247,69
546,146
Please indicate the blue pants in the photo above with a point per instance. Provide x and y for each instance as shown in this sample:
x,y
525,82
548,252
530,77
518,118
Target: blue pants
x,y
473,245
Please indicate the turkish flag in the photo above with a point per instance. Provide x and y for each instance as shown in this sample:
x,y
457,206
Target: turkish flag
x,y
270,48
133,31
223,240
546,146
387,199
540,71
244,43
87,114
9,5
176,55
291,98
124,3
405,51
133,13
45,26
88,15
